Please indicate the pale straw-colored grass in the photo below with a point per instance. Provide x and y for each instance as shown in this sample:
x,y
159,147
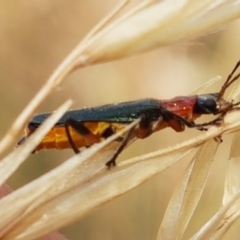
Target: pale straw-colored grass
x,y
82,183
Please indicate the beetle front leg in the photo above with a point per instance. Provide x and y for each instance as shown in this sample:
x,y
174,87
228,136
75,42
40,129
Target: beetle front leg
x,y
178,123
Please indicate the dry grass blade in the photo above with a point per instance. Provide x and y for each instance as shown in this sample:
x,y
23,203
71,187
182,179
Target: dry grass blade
x,y
104,186
10,163
228,220
232,188
156,25
93,190
105,20
10,137
218,225
146,27
188,193
49,187
232,182
82,183
208,230
59,197
113,14
79,201
205,86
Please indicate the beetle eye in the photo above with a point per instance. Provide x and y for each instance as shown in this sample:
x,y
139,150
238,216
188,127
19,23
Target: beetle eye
x,y
211,105
206,104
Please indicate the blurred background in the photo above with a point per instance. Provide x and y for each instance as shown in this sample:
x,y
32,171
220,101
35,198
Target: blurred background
x,y
37,35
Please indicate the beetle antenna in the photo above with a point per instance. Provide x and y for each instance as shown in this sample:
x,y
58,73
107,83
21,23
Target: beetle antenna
x,y
236,104
230,80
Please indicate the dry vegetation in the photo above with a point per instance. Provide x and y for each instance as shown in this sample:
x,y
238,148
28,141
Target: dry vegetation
x,y
36,37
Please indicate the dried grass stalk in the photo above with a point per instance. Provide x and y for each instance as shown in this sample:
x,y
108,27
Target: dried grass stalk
x,y
82,183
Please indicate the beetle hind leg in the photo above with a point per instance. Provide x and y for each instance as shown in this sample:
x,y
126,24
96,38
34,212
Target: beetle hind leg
x,y
82,130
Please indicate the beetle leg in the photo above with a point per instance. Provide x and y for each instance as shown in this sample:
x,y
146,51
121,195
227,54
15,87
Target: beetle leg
x,y
217,121
82,130
178,123
112,161
143,130
175,121
21,141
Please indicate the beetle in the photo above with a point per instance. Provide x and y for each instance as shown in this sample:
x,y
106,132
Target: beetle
x,y
85,127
